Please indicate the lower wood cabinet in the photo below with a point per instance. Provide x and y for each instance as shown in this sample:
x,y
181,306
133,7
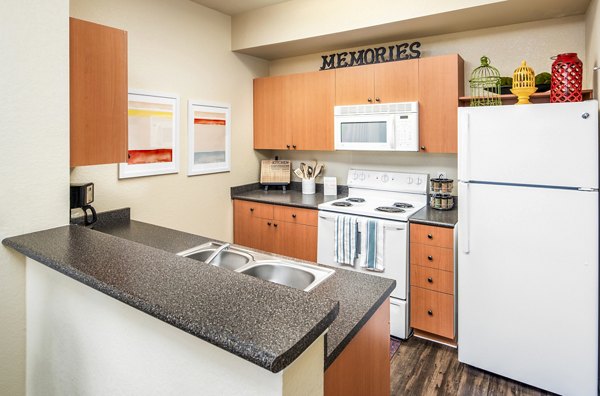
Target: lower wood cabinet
x,y
274,228
432,300
363,367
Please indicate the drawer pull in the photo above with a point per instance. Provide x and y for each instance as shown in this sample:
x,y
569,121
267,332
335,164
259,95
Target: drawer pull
x,y
268,224
287,145
275,225
429,236
430,280
294,215
430,258
251,209
430,312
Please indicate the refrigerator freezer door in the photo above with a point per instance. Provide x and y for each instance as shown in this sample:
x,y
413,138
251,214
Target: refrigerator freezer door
x,y
528,286
544,144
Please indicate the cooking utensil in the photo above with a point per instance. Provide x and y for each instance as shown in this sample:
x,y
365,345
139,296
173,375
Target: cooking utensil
x,y
309,172
299,173
318,170
303,169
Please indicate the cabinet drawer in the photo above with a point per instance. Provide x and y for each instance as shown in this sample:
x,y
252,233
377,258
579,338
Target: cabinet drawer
x,y
430,235
432,312
432,279
432,256
252,209
295,215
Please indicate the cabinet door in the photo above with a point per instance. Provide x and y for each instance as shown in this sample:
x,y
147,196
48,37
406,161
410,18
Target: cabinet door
x,y
247,224
98,93
354,85
396,81
310,110
271,98
440,86
298,241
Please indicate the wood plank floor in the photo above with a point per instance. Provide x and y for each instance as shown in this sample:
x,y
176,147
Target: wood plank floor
x,y
422,367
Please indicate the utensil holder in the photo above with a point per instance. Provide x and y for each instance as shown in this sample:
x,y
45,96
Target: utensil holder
x,y
308,186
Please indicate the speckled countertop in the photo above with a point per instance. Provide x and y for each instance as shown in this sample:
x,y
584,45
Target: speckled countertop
x,y
291,197
440,218
135,263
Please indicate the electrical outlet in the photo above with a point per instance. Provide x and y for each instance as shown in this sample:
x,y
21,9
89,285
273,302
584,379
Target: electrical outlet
x,y
441,175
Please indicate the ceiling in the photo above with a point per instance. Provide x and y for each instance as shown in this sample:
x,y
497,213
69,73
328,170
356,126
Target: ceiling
x,y
234,7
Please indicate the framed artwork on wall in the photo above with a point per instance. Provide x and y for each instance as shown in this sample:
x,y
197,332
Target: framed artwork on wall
x,y
209,137
153,135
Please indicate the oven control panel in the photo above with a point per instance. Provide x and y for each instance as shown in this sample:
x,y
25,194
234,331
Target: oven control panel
x,y
388,180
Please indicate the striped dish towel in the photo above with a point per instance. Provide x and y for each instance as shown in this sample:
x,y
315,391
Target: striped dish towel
x,y
372,246
346,228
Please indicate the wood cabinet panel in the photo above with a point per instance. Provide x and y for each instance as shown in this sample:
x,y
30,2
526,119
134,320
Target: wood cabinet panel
x,y
363,367
396,81
296,215
432,279
98,93
432,256
270,125
441,83
294,112
298,240
354,85
432,312
311,110
254,209
431,235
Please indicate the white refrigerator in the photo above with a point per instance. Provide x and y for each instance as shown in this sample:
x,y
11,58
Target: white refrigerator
x,y
528,244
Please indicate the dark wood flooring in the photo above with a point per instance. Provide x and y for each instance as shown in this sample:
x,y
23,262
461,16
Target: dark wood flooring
x,y
422,367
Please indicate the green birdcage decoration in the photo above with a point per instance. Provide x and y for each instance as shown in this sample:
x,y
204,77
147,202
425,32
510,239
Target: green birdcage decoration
x,y
485,85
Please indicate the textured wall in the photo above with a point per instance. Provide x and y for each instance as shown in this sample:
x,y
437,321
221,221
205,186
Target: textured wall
x,y
34,138
180,47
506,46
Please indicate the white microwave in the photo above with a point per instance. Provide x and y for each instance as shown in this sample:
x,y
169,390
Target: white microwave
x,y
379,127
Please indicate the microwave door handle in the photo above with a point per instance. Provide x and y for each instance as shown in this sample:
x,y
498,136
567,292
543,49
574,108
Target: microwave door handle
x,y
392,132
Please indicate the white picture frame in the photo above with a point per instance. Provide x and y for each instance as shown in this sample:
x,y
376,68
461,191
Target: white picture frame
x,y
209,137
157,130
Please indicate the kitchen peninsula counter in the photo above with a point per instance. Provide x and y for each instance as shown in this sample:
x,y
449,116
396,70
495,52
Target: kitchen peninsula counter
x,y
269,325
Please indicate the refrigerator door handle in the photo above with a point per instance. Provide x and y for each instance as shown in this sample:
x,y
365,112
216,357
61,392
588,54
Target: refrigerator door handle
x,y
464,173
466,223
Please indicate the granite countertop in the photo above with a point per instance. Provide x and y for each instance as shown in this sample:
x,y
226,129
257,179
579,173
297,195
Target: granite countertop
x,y
291,197
434,217
135,263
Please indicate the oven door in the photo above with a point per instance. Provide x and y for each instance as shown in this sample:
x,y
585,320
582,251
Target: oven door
x,y
364,132
395,252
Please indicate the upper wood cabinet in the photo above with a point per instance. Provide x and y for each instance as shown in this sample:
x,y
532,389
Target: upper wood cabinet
x,y
379,83
98,93
441,83
294,112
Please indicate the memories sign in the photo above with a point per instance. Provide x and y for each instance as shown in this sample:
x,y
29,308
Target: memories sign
x,y
369,56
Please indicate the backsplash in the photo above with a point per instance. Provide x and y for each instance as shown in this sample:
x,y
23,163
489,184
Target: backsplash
x,y
338,163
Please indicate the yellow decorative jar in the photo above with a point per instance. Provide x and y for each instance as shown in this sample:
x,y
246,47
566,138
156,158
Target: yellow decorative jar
x,y
523,83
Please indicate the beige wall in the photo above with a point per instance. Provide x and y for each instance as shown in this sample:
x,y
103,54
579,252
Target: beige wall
x,y
177,46
506,46
34,137
592,40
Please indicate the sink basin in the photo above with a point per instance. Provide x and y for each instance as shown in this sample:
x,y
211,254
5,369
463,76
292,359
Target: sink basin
x,y
300,276
231,258
281,274
263,266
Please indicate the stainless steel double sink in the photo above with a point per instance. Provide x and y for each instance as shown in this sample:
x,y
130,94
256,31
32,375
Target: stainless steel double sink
x,y
263,266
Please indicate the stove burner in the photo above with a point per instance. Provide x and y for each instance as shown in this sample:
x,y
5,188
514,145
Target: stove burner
x,y
358,200
341,203
403,205
390,209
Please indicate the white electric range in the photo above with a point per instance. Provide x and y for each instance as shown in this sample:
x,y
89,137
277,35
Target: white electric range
x,y
390,198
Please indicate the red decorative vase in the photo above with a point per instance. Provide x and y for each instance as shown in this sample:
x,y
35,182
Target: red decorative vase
x,y
567,76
